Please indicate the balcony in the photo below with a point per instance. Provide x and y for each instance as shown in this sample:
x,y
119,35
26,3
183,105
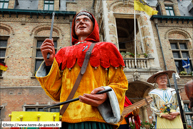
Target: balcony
x,y
142,64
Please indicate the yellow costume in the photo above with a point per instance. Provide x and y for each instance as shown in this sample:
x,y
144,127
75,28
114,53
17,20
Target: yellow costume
x,y
105,68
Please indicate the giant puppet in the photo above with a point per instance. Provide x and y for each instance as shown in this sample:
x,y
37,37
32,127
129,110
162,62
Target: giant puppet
x,y
59,72
165,103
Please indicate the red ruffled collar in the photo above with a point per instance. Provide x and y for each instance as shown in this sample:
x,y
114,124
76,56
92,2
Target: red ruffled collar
x,y
105,54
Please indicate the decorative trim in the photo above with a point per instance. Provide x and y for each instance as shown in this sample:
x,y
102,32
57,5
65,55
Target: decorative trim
x,y
36,12
175,31
46,27
7,27
117,3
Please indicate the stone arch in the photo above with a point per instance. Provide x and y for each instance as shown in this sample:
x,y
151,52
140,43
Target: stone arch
x,y
7,28
46,27
118,3
177,31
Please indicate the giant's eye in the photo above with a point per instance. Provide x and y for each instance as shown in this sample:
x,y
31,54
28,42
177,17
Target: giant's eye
x,y
77,21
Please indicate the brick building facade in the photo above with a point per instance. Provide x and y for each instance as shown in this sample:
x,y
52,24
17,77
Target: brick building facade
x,y
166,38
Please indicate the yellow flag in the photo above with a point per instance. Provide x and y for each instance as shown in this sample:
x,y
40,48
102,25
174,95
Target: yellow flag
x,y
140,5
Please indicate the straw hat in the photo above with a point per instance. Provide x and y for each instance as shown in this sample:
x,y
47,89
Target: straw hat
x,y
153,78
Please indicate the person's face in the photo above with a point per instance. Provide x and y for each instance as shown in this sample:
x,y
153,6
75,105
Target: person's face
x,y
162,80
83,26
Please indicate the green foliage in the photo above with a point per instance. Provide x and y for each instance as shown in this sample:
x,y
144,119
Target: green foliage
x,y
145,55
129,53
191,73
146,123
123,54
132,125
183,73
189,127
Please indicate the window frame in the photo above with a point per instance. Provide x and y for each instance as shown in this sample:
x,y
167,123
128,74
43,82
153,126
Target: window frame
x,y
48,4
189,112
4,1
169,10
42,38
4,58
178,42
1,107
25,107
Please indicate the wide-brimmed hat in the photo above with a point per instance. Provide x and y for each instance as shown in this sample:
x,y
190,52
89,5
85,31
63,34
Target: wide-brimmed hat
x,y
152,79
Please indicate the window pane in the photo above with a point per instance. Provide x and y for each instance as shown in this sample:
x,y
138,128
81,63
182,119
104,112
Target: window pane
x,y
55,44
51,7
38,53
30,109
185,54
5,5
189,120
176,54
45,7
38,62
55,110
1,5
3,43
168,13
186,109
171,13
6,0
179,65
46,1
2,52
183,46
170,7
174,46
39,43
51,1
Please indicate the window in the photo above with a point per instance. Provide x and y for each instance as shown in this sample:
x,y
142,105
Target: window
x,y
3,46
1,108
48,4
169,10
180,51
4,4
39,57
32,108
188,114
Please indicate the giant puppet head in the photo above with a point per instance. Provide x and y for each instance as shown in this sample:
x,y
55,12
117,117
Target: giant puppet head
x,y
189,92
85,25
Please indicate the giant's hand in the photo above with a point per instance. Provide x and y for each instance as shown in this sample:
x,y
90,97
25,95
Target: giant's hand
x,y
48,47
174,114
168,116
136,111
94,99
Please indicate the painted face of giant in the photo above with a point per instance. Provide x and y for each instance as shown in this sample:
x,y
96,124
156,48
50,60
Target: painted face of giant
x,y
162,80
83,26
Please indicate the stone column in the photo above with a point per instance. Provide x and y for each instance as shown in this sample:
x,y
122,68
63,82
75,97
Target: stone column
x,y
56,5
105,20
11,4
148,38
41,5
